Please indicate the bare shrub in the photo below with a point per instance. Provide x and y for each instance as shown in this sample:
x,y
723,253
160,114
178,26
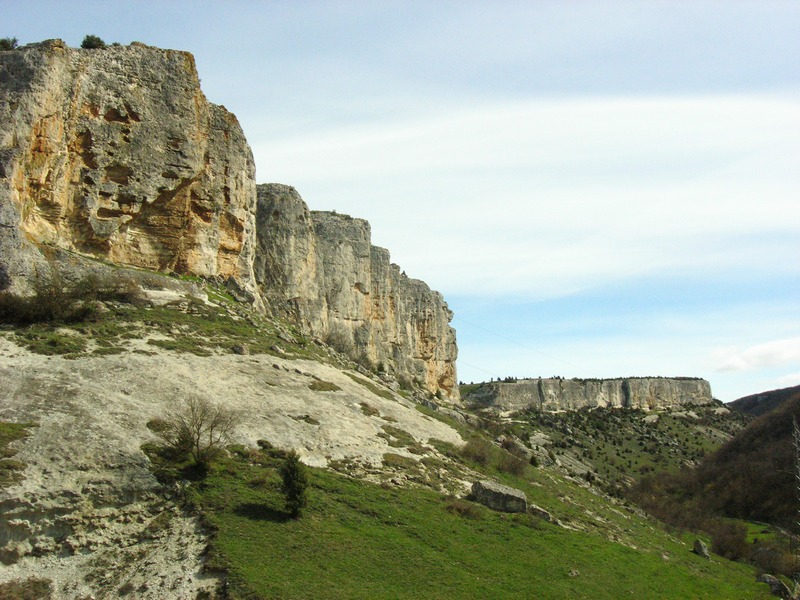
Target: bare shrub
x,y
477,450
511,464
198,430
510,445
108,288
774,558
28,589
55,299
463,508
339,339
730,540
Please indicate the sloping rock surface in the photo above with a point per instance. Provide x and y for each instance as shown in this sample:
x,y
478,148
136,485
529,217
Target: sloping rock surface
x,y
90,515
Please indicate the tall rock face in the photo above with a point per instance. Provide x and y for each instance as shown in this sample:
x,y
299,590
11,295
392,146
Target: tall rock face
x,y
117,154
646,393
320,270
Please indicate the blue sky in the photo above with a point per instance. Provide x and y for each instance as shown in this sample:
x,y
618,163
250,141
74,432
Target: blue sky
x,y
598,188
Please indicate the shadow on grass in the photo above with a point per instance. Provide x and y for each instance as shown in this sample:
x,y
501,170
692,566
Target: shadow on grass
x,y
261,512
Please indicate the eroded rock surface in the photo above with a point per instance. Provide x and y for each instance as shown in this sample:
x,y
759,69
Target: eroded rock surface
x,y
116,153
320,270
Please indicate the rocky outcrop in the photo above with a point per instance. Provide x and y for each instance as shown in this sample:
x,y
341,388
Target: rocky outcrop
x,y
701,549
499,497
117,154
776,586
646,393
320,270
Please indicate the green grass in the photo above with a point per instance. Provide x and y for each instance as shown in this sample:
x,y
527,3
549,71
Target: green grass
x,y
187,327
375,389
319,385
361,540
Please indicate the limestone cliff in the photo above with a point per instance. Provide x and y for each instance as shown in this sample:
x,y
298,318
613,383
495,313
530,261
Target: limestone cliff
x,y
647,393
117,154
320,269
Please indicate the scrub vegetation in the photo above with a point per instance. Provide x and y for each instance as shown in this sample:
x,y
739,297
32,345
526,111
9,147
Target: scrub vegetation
x,y
357,539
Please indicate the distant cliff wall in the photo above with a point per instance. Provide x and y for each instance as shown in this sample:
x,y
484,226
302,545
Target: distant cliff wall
x,y
320,269
116,153
647,393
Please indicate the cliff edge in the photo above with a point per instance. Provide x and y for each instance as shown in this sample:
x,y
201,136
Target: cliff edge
x,y
320,270
556,394
115,154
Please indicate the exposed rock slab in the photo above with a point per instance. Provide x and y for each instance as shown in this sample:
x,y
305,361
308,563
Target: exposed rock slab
x,y
499,497
701,549
88,494
776,586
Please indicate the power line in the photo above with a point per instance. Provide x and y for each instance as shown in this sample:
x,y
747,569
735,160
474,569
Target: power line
x,y
513,341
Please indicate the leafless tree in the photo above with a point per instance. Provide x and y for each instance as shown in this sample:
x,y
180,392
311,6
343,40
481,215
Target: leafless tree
x,y
199,430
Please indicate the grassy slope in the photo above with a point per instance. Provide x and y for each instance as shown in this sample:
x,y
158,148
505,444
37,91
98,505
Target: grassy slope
x,y
361,540
619,445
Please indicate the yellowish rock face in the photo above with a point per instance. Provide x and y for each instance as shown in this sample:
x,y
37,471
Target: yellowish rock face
x,y
116,153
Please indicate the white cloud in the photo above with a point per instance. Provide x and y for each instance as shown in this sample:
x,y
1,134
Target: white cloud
x,y
769,354
543,197
788,380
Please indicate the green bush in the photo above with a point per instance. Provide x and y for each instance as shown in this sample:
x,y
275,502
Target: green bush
x,y
92,42
58,300
8,43
295,482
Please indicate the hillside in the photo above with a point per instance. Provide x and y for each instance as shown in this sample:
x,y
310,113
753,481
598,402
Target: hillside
x,y
750,477
86,515
759,404
143,270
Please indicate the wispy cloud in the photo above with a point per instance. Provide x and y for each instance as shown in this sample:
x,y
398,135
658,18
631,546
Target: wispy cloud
x,y
769,354
789,380
546,197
